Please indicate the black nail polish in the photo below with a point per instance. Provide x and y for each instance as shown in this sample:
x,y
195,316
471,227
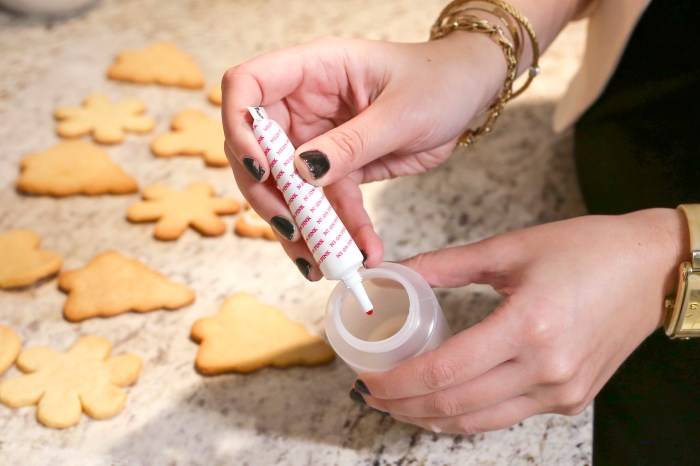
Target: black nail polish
x,y
283,226
361,387
303,266
317,162
364,256
357,397
255,169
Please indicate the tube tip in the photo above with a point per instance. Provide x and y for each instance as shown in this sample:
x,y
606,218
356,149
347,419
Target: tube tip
x,y
354,283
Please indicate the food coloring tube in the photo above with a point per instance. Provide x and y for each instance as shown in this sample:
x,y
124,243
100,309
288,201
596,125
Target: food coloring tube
x,y
329,241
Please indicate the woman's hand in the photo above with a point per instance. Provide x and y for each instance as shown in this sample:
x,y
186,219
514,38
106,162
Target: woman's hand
x,y
357,111
580,296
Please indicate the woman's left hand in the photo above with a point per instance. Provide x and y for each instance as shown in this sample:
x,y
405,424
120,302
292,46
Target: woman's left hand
x,y
581,295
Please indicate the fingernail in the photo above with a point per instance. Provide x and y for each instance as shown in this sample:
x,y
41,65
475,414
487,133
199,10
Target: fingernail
x,y
283,226
357,397
303,266
317,162
361,387
364,256
254,168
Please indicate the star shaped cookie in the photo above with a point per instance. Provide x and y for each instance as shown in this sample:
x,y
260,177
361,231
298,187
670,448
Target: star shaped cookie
x,y
197,206
251,225
73,167
193,133
112,284
107,122
23,262
63,385
160,63
247,335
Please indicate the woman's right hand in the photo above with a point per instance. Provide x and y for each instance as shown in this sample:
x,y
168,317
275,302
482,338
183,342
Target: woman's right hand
x,y
357,111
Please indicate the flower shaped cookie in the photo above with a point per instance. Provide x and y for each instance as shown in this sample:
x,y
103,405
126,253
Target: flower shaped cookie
x,y
9,347
194,133
22,261
63,385
106,121
175,211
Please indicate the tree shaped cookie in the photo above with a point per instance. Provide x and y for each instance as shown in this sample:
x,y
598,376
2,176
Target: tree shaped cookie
x,y
112,284
22,262
160,63
63,385
175,211
193,133
246,336
73,167
105,121
9,347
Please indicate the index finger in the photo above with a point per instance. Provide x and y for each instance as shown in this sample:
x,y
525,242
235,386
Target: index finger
x,y
257,82
463,357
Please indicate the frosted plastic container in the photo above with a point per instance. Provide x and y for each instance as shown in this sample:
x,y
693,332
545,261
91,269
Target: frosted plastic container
x,y
407,320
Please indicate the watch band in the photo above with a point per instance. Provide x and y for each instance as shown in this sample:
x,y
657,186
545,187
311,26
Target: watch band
x,y
683,317
692,214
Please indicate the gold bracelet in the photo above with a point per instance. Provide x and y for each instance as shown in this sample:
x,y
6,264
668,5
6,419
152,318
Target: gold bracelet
x,y
454,17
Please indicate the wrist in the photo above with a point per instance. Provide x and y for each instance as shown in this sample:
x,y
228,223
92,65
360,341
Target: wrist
x,y
478,60
676,249
659,238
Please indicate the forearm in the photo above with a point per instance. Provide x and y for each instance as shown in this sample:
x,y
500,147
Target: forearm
x,y
548,18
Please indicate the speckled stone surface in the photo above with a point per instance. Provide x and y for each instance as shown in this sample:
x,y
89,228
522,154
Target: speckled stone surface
x,y
519,176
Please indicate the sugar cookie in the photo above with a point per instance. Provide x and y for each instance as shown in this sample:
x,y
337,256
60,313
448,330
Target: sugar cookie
x,y
63,385
160,63
111,284
246,336
105,121
9,347
193,133
73,167
197,206
251,225
215,96
23,262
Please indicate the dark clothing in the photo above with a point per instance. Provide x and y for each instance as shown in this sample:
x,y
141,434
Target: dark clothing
x,y
638,147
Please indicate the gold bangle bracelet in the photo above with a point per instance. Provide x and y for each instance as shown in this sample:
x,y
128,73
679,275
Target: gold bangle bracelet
x,y
455,17
534,68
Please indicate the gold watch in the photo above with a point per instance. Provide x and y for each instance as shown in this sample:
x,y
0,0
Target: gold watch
x,y
683,311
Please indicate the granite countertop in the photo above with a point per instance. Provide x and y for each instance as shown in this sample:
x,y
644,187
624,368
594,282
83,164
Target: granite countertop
x,y
520,175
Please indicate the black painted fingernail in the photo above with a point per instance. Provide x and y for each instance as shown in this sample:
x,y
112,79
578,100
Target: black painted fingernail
x,y
283,226
364,256
317,162
361,387
254,168
303,266
357,397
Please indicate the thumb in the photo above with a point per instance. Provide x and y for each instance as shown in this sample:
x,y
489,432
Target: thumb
x,y
482,262
333,155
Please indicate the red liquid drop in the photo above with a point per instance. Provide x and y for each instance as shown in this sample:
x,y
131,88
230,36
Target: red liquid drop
x,y
370,312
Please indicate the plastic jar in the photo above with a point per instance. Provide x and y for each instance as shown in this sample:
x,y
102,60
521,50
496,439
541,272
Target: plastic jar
x,y
407,319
